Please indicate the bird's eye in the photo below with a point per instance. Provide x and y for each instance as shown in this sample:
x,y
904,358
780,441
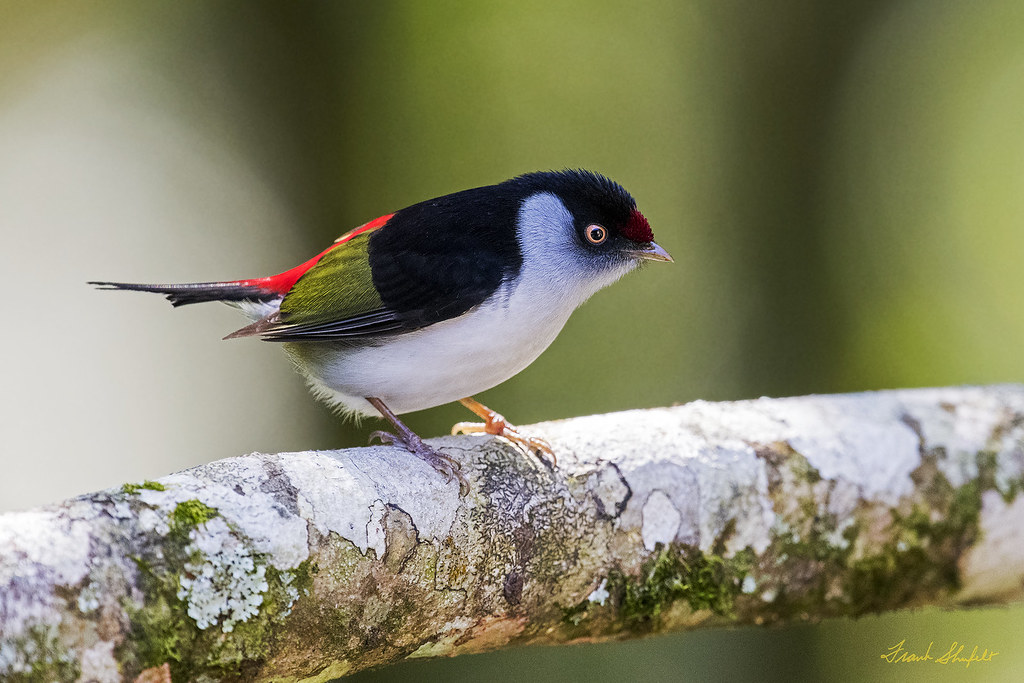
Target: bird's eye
x,y
595,234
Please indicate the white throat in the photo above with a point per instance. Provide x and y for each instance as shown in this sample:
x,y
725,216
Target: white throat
x,y
553,261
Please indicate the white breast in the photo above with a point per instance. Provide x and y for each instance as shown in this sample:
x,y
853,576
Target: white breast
x,y
456,358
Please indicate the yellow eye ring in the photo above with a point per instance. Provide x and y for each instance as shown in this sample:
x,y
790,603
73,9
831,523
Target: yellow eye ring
x,y
595,234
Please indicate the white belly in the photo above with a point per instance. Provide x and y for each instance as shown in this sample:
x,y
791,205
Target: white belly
x,y
438,364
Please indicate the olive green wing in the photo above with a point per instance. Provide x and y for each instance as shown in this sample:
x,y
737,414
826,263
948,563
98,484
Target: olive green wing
x,y
334,300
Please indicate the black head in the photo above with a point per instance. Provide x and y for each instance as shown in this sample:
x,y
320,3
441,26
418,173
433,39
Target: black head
x,y
574,230
605,219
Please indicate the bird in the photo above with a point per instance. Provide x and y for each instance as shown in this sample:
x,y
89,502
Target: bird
x,y
441,300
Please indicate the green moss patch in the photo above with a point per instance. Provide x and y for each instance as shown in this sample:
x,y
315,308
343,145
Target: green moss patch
x,y
921,557
132,489
189,514
675,573
884,559
187,619
36,657
705,582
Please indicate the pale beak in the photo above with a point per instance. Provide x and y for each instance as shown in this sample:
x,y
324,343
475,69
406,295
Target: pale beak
x,y
653,252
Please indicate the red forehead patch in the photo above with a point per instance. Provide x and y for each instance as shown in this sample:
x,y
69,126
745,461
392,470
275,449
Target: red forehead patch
x,y
637,228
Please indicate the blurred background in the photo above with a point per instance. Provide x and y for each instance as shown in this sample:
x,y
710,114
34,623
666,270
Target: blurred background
x,y
841,185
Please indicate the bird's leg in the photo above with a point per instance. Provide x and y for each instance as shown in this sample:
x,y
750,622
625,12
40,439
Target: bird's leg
x,y
494,423
407,439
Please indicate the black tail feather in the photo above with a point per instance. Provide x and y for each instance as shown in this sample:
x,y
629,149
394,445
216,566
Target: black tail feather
x,y
197,292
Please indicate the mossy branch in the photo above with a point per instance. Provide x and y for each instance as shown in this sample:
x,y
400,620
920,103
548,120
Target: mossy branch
x,y
307,566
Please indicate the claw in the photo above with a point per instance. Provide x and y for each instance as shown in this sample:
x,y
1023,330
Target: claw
x,y
408,440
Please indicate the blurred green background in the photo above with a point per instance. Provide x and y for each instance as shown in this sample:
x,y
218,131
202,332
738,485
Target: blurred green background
x,y
841,185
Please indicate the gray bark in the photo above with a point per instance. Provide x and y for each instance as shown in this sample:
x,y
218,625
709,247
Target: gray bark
x,y
307,566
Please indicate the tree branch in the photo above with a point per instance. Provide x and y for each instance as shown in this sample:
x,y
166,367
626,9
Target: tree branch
x,y
312,565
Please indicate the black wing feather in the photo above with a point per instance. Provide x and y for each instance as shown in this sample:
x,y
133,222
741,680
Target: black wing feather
x,y
373,324
438,259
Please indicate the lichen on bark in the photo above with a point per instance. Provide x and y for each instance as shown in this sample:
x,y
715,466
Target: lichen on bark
x,y
306,566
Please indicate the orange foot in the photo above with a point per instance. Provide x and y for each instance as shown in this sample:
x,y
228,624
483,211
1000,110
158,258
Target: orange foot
x,y
494,423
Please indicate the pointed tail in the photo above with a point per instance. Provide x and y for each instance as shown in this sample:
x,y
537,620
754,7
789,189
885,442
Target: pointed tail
x,y
199,292
259,290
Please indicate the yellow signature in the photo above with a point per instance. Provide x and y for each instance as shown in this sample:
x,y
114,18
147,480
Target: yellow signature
x,y
954,655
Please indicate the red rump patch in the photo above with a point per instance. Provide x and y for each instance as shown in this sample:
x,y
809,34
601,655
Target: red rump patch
x,y
637,228
283,282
